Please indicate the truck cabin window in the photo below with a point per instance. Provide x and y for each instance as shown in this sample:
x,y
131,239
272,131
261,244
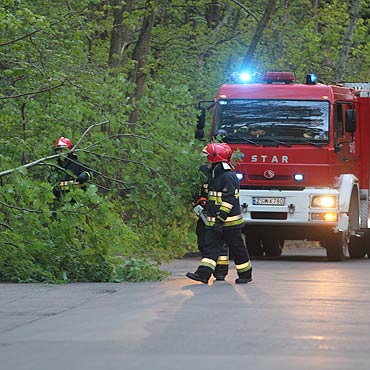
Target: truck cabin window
x,y
338,121
272,121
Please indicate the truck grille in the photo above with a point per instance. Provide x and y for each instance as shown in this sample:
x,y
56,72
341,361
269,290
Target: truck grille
x,y
275,178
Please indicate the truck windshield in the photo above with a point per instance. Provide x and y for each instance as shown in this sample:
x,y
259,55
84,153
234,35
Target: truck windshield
x,y
269,122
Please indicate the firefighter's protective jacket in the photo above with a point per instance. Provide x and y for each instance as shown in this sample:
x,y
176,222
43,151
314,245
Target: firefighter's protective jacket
x,y
75,174
223,197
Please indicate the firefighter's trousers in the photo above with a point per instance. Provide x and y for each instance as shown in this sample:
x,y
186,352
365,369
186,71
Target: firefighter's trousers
x,y
222,263
213,245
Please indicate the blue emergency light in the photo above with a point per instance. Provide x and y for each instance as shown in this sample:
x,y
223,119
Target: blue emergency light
x,y
311,79
245,77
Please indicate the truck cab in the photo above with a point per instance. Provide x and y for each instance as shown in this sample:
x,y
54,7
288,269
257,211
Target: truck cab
x,y
302,158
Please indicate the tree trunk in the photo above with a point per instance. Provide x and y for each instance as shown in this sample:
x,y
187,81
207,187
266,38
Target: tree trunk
x,y
315,11
191,18
213,14
138,73
354,9
259,31
120,34
224,22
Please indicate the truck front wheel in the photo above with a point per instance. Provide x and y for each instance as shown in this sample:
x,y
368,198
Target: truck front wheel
x,y
356,247
254,246
273,247
337,247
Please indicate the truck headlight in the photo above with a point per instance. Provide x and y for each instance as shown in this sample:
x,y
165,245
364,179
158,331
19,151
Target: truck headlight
x,y
324,201
240,176
299,177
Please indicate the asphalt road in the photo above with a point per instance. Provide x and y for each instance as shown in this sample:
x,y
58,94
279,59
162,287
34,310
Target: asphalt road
x,y
300,312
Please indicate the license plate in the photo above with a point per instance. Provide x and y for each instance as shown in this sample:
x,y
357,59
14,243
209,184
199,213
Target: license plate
x,y
268,201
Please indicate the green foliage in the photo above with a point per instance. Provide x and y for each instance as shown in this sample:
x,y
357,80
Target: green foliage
x,y
55,240
135,269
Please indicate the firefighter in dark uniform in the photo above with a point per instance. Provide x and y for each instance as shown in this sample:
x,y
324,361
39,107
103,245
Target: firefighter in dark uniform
x,y
224,218
73,173
200,208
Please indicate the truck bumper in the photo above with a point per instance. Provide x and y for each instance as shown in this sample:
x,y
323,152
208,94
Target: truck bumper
x,y
292,211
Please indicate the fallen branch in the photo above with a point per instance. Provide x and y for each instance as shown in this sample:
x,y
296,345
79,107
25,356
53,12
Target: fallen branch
x,y
86,131
20,208
27,165
41,160
6,226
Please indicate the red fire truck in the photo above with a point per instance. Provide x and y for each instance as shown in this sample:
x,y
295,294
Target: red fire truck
x,y
303,153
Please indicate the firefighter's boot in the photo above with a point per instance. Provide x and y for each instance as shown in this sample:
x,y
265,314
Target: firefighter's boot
x,y
244,277
221,271
202,274
244,271
222,268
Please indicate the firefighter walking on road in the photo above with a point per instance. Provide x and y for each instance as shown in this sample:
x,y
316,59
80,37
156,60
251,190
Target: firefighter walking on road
x,y
224,218
200,208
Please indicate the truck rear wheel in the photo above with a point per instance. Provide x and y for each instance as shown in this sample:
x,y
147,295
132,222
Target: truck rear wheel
x,y
337,247
273,247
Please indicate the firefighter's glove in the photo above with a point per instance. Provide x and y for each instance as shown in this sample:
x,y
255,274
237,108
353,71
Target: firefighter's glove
x,y
202,201
82,177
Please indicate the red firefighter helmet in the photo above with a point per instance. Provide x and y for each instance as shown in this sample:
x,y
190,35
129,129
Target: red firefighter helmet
x,y
218,152
63,143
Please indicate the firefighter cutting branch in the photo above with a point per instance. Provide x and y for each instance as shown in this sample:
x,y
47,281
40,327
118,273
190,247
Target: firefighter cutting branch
x,y
74,174
224,218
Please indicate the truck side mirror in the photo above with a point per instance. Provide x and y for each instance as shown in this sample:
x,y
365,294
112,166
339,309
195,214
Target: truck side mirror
x,y
350,123
199,132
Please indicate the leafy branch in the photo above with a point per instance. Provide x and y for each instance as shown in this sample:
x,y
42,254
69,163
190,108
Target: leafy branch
x,y
42,161
86,132
28,165
29,34
40,91
6,226
245,9
20,37
19,208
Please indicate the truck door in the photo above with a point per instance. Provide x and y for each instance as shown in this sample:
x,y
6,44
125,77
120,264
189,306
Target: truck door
x,y
344,144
